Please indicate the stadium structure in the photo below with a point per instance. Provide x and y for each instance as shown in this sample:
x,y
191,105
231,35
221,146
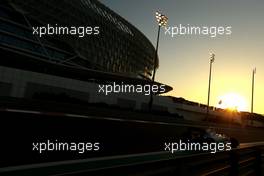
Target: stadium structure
x,y
67,65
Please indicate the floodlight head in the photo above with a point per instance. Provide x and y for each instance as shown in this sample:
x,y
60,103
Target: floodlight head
x,y
161,19
212,58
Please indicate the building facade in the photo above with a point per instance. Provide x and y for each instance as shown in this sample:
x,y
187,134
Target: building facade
x,y
118,48
33,66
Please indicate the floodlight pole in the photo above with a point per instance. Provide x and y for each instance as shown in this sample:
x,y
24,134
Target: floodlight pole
x,y
252,94
162,21
154,71
209,86
156,55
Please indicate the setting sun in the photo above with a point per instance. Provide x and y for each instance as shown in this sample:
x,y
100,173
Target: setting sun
x,y
232,101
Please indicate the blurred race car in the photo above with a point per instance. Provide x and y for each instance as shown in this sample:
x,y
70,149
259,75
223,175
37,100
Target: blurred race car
x,y
209,135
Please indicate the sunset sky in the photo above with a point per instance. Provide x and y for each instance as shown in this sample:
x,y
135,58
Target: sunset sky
x,y
184,60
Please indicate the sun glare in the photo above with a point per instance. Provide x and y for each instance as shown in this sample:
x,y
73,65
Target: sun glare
x,y
232,101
